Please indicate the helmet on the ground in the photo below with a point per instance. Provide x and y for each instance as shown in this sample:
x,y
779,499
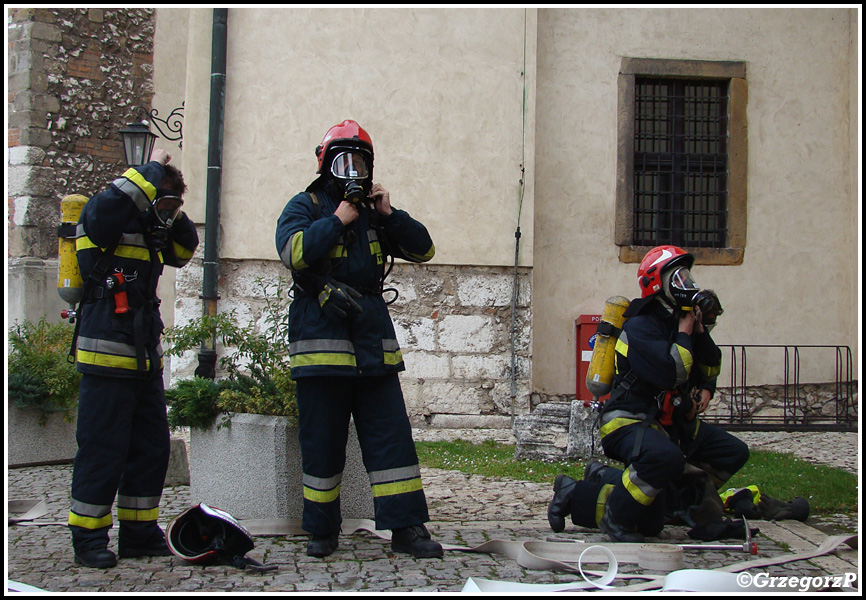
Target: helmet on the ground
x,y
352,148
205,535
666,269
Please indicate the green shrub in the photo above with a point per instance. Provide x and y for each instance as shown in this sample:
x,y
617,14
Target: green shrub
x,y
40,376
258,371
193,403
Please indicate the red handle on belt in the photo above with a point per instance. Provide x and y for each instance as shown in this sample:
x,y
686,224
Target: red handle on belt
x,y
116,283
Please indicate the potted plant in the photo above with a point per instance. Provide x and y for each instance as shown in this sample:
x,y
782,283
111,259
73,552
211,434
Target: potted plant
x,y
244,448
42,393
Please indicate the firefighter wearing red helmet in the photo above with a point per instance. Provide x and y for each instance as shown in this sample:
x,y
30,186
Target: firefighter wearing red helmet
x,y
336,238
666,369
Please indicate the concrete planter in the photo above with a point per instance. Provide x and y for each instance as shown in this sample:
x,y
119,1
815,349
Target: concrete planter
x,y
252,470
30,443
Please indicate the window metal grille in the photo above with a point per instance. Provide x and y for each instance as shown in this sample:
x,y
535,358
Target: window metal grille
x,y
680,162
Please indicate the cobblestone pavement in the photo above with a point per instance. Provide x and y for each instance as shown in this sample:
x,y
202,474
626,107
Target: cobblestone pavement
x,y
466,511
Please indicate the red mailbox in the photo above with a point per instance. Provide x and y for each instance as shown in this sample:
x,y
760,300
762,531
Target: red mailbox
x,y
585,327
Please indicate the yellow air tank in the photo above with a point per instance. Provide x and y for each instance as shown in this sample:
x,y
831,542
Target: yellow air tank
x,y
599,375
70,286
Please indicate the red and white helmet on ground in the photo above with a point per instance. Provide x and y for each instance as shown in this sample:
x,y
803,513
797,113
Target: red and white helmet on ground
x,y
205,535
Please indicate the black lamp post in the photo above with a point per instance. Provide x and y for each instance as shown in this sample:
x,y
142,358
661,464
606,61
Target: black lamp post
x,y
138,143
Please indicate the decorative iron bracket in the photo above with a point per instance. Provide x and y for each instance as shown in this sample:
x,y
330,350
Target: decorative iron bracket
x,y
173,123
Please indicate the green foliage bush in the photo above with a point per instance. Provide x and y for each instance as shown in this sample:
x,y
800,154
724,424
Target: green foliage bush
x,y
258,371
40,376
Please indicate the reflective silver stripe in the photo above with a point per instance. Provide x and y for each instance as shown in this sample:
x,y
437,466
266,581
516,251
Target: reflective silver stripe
x,y
318,483
390,345
639,489
109,347
79,230
398,474
90,510
303,346
138,502
142,202
372,236
133,239
621,414
677,353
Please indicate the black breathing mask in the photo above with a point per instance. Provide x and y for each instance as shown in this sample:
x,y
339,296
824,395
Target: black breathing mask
x,y
354,192
163,213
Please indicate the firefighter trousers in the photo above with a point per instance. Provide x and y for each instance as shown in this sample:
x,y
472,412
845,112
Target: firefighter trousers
x,y
123,451
325,405
657,461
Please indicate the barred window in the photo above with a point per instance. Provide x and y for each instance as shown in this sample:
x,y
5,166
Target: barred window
x,y
681,173
680,162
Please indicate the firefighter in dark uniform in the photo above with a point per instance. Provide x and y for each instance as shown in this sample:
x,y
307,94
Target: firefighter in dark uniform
x,y
666,369
336,238
125,235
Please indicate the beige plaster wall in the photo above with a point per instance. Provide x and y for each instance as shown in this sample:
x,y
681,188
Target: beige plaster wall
x,y
796,283
441,93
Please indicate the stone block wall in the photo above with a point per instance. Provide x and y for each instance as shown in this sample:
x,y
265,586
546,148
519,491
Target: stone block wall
x,y
560,427
74,78
454,326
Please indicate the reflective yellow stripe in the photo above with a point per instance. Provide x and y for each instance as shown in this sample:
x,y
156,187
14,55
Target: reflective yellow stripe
x,y
621,346
338,251
421,257
181,252
393,358
397,487
135,252
634,489
146,186
323,359
130,514
710,371
89,522
84,243
756,493
615,424
109,360
297,241
321,496
602,501
685,359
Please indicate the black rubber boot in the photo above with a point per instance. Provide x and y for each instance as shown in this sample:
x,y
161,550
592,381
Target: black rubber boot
x,y
321,546
560,505
141,538
91,547
101,558
416,541
618,532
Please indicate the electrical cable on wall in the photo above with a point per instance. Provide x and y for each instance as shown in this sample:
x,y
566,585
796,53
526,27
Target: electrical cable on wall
x,y
515,286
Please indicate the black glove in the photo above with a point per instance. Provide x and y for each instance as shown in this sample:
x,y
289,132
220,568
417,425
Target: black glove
x,y
776,510
721,529
337,301
741,505
158,235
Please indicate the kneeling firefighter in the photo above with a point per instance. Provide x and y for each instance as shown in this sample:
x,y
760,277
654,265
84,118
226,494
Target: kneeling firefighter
x,y
336,238
666,366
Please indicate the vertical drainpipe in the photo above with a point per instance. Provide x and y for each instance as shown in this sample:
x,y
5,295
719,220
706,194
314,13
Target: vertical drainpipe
x,y
207,356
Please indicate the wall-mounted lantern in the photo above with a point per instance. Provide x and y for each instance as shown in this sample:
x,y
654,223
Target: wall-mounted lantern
x,y
138,143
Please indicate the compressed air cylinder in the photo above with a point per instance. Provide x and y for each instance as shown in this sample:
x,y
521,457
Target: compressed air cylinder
x,y
599,375
70,286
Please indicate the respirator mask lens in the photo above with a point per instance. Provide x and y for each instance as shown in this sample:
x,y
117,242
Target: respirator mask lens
x,y
683,288
167,209
350,165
